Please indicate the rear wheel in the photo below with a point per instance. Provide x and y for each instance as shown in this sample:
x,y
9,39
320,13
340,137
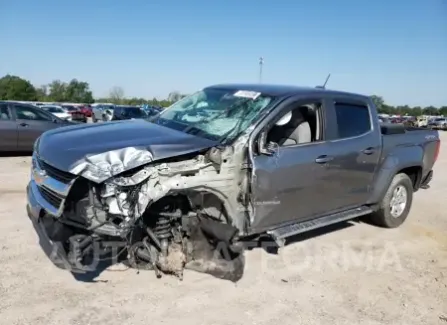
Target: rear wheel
x,y
396,203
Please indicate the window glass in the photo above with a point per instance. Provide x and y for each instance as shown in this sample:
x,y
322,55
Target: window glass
x,y
53,109
296,126
69,108
30,113
352,120
4,113
216,114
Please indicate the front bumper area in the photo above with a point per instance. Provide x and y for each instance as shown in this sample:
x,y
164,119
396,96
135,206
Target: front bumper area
x,y
49,233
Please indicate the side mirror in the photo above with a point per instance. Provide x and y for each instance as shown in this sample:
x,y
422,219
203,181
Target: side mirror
x,y
264,148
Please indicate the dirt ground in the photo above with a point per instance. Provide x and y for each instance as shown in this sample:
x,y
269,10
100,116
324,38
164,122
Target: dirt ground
x,y
353,274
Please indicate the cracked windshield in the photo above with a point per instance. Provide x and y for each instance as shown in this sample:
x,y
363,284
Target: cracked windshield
x,y
216,114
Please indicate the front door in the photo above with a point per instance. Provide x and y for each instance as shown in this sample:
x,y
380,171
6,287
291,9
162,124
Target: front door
x,y
294,184
31,123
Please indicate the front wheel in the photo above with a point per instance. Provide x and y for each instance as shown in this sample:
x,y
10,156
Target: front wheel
x,y
395,205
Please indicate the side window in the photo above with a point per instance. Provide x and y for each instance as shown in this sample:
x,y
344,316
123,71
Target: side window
x,y
31,113
352,120
300,123
4,113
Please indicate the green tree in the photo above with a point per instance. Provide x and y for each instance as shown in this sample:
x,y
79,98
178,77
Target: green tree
x,y
443,110
16,88
42,93
75,92
78,92
416,111
378,102
116,95
430,110
57,91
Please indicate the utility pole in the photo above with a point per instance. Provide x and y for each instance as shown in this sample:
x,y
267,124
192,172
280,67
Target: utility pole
x,y
261,63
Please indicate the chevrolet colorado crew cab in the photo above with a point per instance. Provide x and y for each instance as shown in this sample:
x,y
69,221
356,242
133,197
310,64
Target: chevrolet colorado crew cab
x,y
223,166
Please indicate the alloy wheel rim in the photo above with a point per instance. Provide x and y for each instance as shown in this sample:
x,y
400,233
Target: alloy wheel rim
x,y
398,201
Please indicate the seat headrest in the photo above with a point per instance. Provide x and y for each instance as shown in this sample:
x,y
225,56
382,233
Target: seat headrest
x,y
297,118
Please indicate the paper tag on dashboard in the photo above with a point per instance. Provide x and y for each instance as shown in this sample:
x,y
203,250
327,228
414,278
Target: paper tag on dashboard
x,y
247,94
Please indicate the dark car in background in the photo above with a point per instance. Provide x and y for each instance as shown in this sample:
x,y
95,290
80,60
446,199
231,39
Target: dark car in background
x,y
128,112
21,124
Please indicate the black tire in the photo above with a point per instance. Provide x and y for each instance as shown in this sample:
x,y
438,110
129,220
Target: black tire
x,y
384,216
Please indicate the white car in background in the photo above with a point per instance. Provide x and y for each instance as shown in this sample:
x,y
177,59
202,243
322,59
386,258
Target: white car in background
x,y
57,111
102,112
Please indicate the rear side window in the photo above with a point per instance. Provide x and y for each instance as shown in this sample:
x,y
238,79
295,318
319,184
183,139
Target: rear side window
x,y
352,120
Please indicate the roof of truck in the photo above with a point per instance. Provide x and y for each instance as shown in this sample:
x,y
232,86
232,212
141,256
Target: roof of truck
x,y
281,90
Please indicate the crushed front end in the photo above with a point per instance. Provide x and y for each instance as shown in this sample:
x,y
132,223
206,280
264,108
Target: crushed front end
x,y
183,212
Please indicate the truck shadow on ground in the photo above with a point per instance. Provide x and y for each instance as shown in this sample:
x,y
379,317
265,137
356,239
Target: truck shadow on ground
x,y
91,277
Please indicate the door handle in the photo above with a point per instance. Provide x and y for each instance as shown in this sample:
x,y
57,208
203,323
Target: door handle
x,y
23,124
368,151
323,159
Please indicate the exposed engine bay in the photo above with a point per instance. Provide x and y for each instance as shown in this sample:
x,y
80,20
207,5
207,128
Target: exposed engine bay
x,y
183,212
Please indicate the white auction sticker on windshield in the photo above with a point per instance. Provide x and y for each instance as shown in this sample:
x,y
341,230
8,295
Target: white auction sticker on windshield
x,y
247,94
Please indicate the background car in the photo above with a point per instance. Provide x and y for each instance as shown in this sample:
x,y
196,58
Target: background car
x,y
384,120
439,123
21,124
86,110
58,111
128,112
76,113
422,121
101,111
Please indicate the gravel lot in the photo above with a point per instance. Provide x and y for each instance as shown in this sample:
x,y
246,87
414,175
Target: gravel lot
x,y
354,274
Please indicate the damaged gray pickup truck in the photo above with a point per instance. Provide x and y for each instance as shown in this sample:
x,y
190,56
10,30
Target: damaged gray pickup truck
x,y
222,167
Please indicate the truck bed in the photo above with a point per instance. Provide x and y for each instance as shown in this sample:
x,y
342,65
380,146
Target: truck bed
x,y
395,136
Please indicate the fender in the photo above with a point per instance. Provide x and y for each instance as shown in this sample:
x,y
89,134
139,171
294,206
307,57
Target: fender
x,y
396,160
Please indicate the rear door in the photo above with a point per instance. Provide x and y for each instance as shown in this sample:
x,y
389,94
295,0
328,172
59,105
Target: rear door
x,y
355,148
31,123
8,129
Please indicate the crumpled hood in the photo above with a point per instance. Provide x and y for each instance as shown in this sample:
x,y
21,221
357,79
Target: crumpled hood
x,y
100,151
